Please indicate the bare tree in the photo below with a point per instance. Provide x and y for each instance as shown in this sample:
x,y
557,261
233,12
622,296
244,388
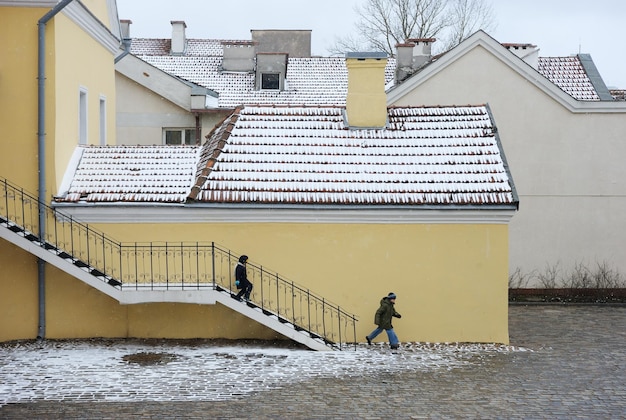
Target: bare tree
x,y
468,17
384,23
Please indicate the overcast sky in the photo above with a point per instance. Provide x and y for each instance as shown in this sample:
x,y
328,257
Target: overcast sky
x,y
557,27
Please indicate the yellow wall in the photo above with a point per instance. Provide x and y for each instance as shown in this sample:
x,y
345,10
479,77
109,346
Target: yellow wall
x,y
73,59
95,74
451,281
19,303
99,9
18,94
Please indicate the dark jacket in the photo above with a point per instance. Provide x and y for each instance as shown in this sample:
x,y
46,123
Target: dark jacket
x,y
384,314
241,275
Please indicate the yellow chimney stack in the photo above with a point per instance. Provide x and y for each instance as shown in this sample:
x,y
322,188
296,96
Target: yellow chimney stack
x,y
366,104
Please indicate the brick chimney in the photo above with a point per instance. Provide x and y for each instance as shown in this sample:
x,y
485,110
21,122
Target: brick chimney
x,y
179,40
411,56
527,52
366,103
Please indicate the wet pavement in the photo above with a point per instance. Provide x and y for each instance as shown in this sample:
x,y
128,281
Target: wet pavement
x,y
563,362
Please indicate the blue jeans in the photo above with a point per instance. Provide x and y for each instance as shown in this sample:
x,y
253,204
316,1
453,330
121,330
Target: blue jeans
x,y
391,334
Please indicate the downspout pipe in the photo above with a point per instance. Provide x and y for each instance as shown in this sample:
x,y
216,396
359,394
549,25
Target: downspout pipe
x,y
41,146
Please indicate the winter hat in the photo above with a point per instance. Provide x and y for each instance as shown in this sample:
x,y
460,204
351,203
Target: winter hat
x,y
243,259
391,295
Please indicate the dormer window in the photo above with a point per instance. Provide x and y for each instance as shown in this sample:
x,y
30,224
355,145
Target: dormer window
x,y
270,81
271,71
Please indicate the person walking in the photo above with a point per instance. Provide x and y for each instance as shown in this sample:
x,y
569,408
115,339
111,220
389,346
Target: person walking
x,y
382,319
241,279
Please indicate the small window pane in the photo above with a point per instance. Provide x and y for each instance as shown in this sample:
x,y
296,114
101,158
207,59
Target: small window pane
x,y
270,81
174,137
190,137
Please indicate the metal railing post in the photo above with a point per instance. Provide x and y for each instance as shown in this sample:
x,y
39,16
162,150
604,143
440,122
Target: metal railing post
x,y
213,280
354,331
324,317
339,321
197,266
87,240
151,268
277,296
182,266
104,258
167,266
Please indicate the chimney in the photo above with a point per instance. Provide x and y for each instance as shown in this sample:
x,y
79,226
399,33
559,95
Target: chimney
x,y
294,42
411,56
125,28
179,41
366,103
238,56
527,52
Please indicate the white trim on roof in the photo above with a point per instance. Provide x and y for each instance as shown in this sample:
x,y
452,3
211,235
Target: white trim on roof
x,y
81,16
165,84
482,39
142,213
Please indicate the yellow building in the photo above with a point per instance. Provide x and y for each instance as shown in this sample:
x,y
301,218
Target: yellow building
x,y
72,71
343,204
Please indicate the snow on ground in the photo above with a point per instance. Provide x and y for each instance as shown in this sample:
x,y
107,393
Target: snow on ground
x,y
132,370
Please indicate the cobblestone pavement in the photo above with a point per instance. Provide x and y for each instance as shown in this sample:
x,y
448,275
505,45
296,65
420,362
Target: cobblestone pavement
x,y
563,362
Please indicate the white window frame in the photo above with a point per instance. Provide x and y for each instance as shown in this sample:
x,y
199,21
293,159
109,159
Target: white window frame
x,y
182,130
83,127
103,120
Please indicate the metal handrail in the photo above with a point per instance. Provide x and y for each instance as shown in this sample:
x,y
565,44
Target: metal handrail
x,y
174,266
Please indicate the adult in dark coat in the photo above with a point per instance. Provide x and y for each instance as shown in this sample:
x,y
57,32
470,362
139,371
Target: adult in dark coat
x,y
241,279
382,319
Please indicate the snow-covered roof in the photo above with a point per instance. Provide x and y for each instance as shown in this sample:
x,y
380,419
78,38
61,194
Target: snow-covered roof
x,y
306,155
569,74
309,80
133,174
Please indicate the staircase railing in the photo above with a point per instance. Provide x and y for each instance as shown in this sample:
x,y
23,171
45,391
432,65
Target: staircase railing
x,y
173,266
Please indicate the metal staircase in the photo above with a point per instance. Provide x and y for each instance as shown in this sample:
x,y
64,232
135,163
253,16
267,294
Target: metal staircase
x,y
184,272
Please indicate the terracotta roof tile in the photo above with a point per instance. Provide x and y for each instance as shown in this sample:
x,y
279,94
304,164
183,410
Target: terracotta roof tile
x,y
442,155
133,173
306,155
310,81
568,74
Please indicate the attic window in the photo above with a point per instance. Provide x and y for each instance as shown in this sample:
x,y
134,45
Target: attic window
x,y
270,81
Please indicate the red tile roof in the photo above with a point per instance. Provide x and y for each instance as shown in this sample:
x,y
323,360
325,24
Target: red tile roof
x,y
426,155
568,74
306,155
133,174
310,80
